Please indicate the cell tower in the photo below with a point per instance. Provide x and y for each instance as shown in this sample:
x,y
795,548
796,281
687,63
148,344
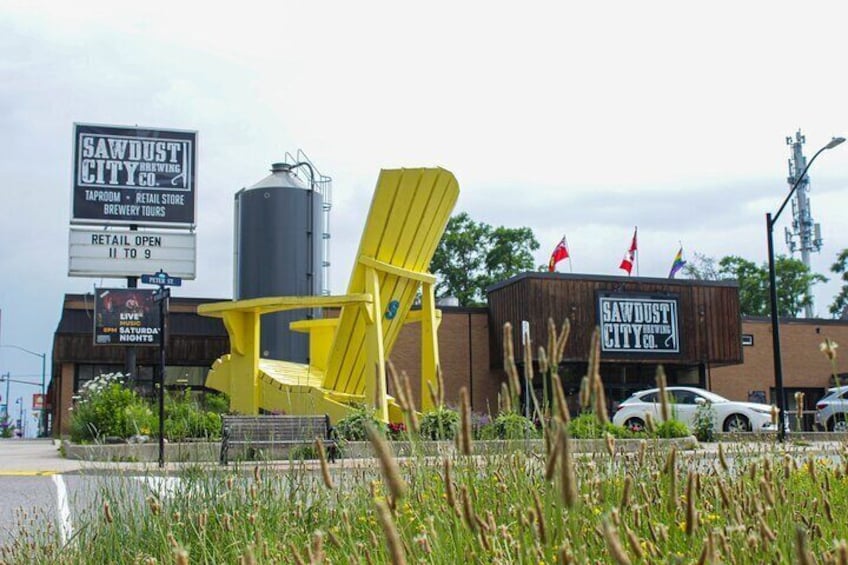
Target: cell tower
x,y
805,235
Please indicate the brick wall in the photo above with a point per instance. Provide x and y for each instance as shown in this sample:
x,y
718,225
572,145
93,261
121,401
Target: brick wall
x,y
464,357
804,365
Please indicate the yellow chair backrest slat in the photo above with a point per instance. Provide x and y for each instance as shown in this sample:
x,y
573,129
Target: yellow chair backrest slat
x,y
409,212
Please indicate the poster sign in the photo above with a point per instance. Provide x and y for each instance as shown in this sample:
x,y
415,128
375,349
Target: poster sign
x,y
638,323
123,253
139,176
37,401
125,316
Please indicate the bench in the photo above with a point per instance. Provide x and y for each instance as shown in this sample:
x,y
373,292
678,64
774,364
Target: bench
x,y
259,432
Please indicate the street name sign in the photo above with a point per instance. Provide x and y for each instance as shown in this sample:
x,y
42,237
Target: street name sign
x,y
162,279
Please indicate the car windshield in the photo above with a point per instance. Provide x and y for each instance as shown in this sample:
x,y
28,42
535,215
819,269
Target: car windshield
x,y
712,397
835,392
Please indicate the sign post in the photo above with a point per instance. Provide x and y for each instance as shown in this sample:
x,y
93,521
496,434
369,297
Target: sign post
x,y
161,296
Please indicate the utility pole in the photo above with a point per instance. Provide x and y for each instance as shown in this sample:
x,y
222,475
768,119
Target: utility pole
x,y
807,232
7,376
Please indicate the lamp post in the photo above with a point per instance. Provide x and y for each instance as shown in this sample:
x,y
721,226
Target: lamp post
x,y
41,419
775,323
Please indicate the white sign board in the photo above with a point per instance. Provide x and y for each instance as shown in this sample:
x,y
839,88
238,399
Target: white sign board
x,y
113,253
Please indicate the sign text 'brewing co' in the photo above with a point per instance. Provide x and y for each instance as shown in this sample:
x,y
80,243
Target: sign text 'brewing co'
x,y
134,176
638,323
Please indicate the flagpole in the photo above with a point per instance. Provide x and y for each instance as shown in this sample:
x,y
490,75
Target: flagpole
x,y
635,231
570,265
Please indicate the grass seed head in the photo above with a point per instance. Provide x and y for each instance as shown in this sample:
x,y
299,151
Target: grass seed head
x,y
388,464
399,391
468,509
665,412
585,394
410,400
613,544
568,480
154,505
322,460
562,340
464,436
450,494
559,395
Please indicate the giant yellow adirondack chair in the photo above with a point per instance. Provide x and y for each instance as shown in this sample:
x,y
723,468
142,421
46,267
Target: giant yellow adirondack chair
x,y
408,215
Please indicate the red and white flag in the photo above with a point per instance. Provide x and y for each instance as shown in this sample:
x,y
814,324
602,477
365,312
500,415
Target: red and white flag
x,y
629,255
560,253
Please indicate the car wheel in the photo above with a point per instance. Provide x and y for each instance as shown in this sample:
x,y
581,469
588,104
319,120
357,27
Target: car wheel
x,y
737,423
838,423
635,424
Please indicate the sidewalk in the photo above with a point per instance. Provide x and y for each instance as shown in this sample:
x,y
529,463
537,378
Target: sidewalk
x,y
23,457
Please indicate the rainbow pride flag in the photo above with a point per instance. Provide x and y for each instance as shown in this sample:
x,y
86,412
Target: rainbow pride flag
x,y
677,264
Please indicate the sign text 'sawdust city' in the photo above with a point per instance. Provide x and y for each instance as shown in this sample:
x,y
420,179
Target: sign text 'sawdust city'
x,y
630,324
133,176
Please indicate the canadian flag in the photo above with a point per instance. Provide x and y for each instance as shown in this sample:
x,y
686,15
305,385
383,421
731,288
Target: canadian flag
x,y
629,255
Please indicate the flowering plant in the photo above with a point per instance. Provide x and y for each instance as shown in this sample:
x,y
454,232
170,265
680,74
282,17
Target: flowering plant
x,y
396,430
105,407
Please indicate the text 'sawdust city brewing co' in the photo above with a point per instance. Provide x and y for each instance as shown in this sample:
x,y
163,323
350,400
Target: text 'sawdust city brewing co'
x,y
132,176
126,180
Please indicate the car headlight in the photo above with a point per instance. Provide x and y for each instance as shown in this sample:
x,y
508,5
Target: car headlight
x,y
762,410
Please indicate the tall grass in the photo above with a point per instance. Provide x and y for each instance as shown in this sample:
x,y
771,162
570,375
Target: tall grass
x,y
659,506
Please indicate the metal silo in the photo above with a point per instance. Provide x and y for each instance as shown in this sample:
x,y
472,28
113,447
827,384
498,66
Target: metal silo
x,y
279,229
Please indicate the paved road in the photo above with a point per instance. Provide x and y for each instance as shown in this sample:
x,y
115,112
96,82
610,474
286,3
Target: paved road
x,y
39,487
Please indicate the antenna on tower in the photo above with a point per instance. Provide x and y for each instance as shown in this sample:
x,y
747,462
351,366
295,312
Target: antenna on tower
x,y
805,235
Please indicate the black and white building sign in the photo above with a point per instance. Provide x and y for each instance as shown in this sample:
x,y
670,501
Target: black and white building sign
x,y
638,323
137,176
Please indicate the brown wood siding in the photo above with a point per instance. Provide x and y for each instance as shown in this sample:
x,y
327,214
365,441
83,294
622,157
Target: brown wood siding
x,y
709,319
182,350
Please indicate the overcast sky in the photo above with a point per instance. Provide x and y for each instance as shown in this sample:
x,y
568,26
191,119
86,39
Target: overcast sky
x,y
584,119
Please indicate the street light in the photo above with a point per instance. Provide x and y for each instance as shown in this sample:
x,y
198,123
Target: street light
x,y
775,324
42,430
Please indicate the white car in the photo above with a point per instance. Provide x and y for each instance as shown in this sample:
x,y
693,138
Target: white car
x,y
728,416
832,410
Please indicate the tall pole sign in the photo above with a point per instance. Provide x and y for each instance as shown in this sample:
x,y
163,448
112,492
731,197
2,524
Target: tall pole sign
x,y
133,176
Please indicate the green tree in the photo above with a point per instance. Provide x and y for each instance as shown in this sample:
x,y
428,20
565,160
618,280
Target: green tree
x,y
753,284
473,255
795,282
840,302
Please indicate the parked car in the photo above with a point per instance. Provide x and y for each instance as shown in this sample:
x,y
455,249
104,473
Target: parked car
x,y
728,415
832,410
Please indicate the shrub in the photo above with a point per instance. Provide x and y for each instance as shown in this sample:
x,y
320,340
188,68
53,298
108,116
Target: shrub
x,y
440,424
6,427
107,408
512,425
352,427
704,425
216,402
587,426
185,418
671,429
